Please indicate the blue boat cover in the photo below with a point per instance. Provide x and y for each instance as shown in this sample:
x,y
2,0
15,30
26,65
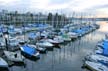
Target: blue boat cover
x,y
105,52
29,50
105,45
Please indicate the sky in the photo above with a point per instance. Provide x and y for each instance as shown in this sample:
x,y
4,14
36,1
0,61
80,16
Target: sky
x,y
99,7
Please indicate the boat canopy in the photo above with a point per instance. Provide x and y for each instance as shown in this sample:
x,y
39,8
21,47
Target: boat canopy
x,y
105,46
29,49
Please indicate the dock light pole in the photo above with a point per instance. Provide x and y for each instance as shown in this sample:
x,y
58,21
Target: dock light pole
x,y
6,39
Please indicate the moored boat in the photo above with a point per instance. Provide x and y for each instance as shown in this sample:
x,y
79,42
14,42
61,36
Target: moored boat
x,y
29,51
14,56
94,66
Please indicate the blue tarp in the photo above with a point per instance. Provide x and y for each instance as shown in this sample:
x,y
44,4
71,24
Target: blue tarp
x,y
29,50
105,52
105,48
105,44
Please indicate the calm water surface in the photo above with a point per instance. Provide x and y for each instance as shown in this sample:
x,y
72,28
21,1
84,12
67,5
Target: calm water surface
x,y
68,57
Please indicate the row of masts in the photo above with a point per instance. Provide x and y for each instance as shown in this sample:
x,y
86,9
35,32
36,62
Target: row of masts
x,y
57,20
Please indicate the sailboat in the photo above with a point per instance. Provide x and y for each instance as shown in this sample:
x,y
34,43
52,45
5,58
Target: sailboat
x,y
29,51
94,66
97,58
14,56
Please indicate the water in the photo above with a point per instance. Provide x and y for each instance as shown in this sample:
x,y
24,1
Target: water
x,y
68,57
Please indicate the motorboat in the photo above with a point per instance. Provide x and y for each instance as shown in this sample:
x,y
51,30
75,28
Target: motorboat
x,y
3,63
95,66
29,51
14,56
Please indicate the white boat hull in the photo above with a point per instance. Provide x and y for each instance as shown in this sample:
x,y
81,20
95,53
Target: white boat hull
x,y
46,44
96,58
96,66
14,56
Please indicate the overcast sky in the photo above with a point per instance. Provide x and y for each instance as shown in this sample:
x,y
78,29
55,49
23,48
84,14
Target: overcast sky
x,y
96,6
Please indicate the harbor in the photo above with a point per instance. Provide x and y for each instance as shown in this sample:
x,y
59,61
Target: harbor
x,y
54,55
50,35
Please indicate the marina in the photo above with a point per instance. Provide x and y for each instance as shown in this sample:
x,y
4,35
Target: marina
x,y
66,56
53,35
